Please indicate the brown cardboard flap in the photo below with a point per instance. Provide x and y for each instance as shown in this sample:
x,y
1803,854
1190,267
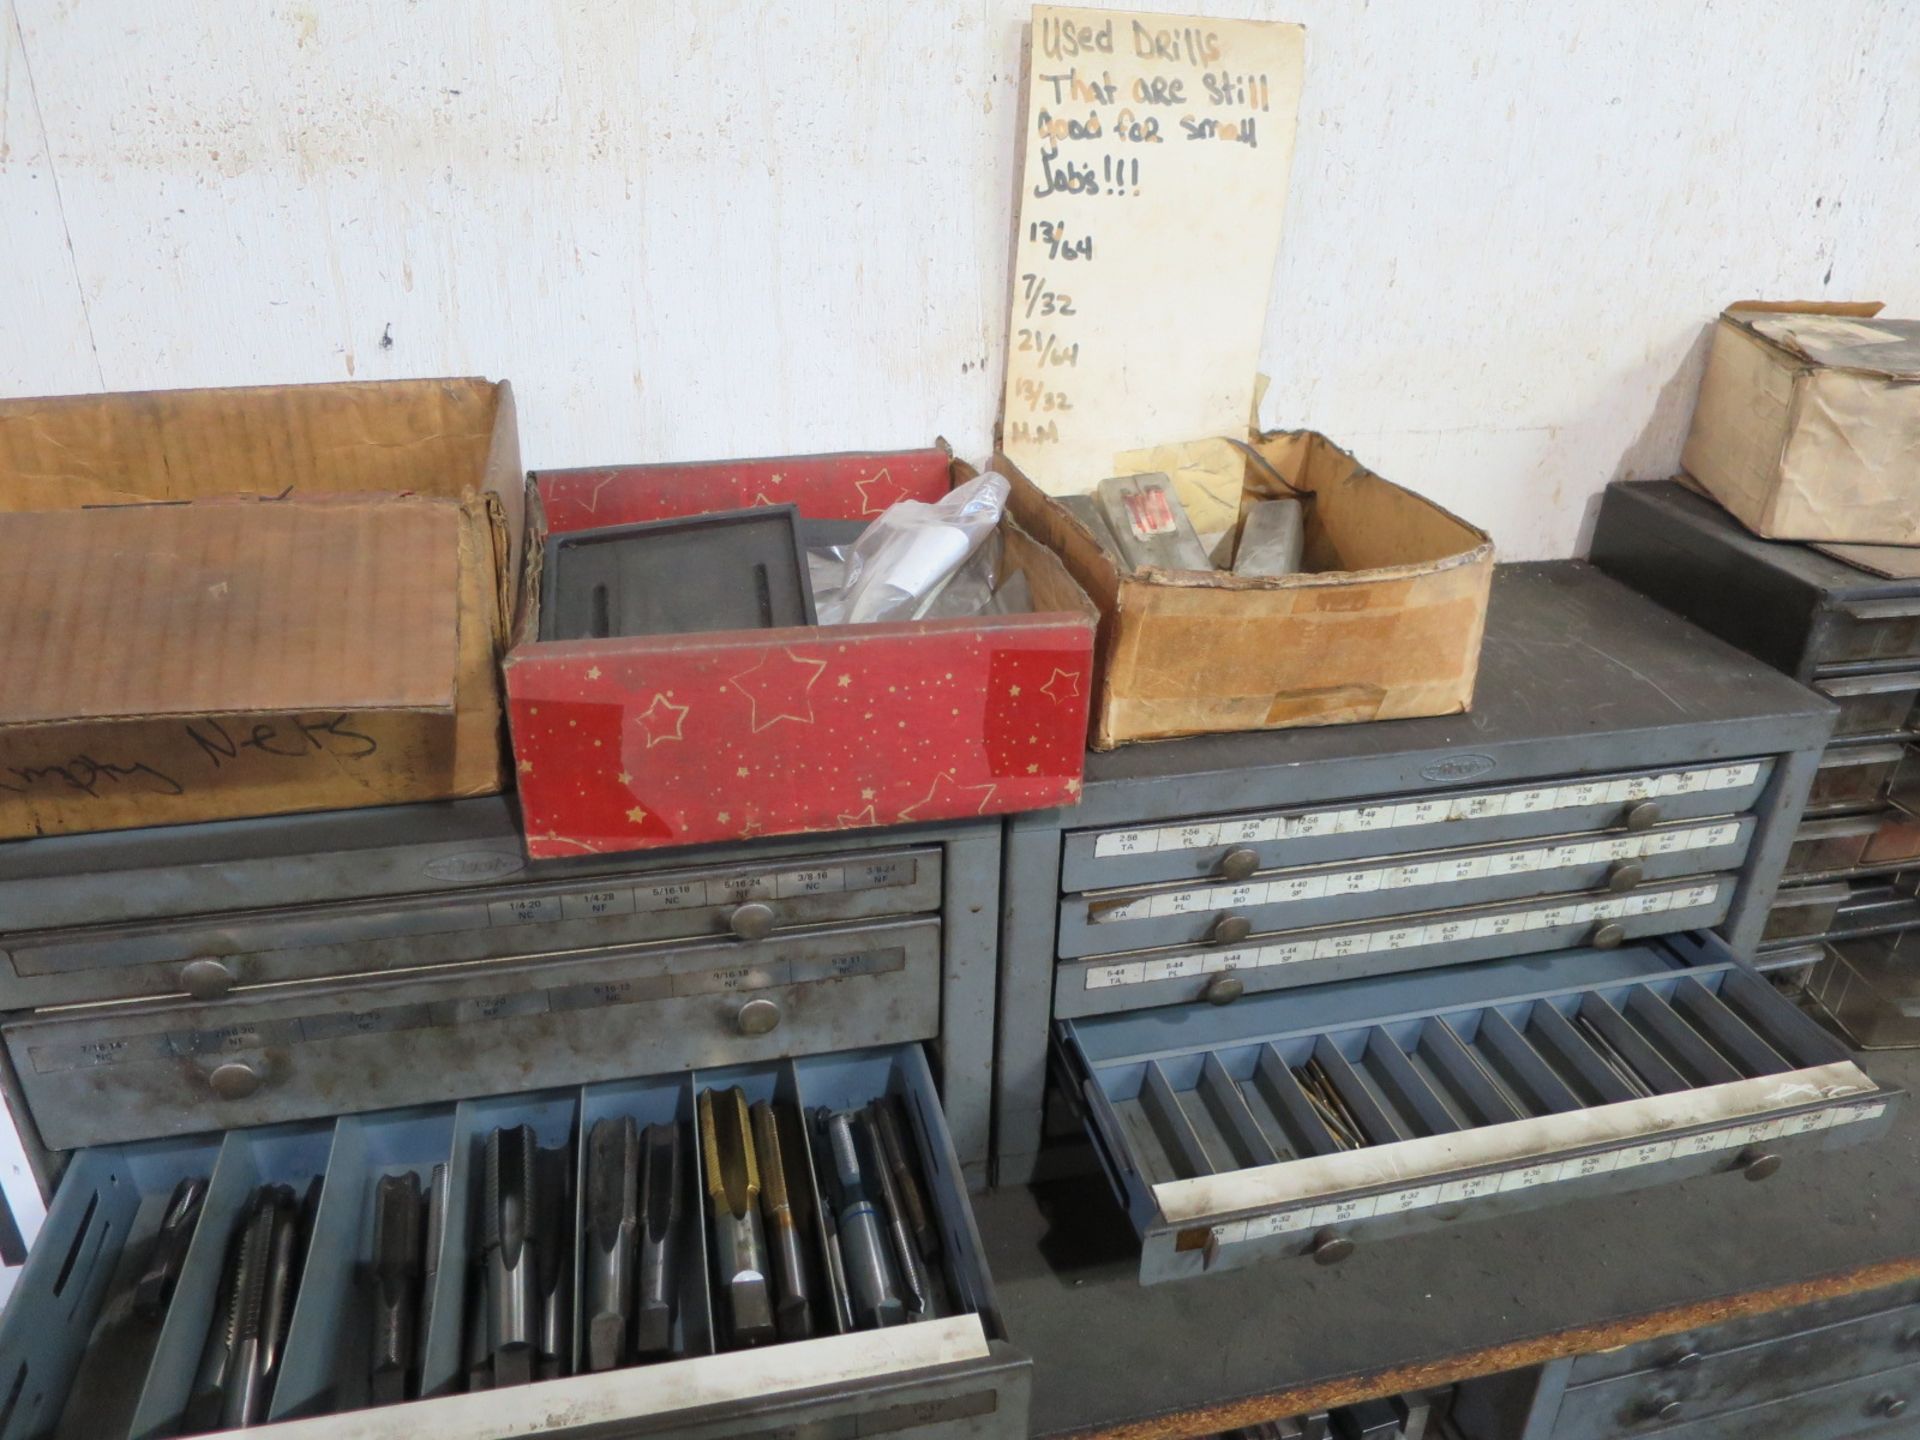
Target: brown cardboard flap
x,y
425,437
232,606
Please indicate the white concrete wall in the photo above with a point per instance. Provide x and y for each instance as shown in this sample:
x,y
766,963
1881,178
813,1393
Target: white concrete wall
x,y
708,229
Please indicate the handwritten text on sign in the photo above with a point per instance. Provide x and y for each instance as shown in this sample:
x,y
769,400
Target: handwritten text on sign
x,y
1151,199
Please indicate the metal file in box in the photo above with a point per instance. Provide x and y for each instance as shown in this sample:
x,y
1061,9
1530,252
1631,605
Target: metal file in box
x,y
1474,1091
737,570
1272,538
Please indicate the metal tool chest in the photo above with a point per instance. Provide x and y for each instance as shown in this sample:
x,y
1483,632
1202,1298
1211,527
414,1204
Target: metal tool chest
x,y
1848,890
352,995
1622,777
1831,1370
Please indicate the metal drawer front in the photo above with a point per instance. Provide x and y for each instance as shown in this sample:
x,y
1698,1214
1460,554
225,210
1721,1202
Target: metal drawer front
x,y
99,1075
1100,859
1328,894
1873,704
936,1379
1734,1379
311,942
1107,983
1879,1405
1300,1123
1870,630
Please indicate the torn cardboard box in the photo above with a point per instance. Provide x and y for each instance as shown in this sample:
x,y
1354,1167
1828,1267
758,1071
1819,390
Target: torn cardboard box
x,y
175,651
1808,422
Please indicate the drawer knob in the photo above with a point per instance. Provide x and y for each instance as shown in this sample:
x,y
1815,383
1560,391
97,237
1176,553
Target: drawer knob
x,y
1239,864
205,978
1682,1360
1607,935
1331,1249
1660,1407
757,1017
1758,1164
235,1080
1643,816
1891,1407
1232,928
1225,989
1625,874
751,921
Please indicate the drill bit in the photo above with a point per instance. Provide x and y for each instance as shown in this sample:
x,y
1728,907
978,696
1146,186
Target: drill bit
x,y
613,1184
863,1249
915,1292
396,1286
154,1289
794,1312
895,1151
553,1259
733,1193
507,1227
661,1190
243,1397
837,1293
283,1282
436,1201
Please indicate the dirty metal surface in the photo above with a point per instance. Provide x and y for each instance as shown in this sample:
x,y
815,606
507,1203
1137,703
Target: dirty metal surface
x,y
1117,1360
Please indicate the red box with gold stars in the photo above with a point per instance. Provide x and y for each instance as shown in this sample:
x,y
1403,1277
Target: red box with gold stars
x,y
647,742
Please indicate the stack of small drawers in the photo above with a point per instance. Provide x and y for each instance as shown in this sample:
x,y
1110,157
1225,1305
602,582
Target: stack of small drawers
x,y
1312,985
1843,926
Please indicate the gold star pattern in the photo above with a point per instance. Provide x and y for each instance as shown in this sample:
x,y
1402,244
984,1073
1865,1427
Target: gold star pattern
x,y
724,817
777,686
636,815
624,778
1073,787
661,720
526,767
866,793
885,491
741,772
593,672
1056,690
1013,690
858,818
943,795
844,681
1033,769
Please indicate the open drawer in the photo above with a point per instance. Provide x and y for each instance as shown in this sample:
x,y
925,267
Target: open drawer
x,y
75,1340
1300,1122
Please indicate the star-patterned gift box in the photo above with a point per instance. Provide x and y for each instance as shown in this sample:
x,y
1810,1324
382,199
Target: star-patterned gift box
x,y
647,742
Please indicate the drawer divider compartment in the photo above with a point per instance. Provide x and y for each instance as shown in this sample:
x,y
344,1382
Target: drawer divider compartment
x,y
1520,1065
1694,1057
1727,1031
1486,1101
1555,1037
1405,1086
1653,1069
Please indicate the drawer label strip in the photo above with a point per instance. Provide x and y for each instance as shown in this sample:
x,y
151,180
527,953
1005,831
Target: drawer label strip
x,y
1393,815
1401,937
1534,860
1306,1218
670,894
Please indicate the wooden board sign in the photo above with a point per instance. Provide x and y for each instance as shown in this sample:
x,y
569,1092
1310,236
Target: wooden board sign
x,y
1152,190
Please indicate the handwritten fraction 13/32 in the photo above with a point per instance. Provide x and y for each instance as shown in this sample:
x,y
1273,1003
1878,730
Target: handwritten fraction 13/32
x,y
1152,190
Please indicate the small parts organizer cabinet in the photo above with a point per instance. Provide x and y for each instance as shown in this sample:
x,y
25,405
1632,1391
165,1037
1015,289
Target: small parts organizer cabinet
x,y
1622,777
343,995
1848,890
1833,1370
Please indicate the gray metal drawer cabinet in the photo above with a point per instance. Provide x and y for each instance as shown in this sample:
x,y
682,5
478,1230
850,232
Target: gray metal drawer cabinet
x,y
1621,776
949,1377
1305,1122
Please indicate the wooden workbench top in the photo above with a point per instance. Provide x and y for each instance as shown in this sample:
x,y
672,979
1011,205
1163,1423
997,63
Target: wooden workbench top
x,y
1113,1358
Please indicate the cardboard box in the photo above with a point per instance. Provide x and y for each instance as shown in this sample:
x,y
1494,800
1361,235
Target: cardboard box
x,y
1384,624
239,602
1808,422
646,742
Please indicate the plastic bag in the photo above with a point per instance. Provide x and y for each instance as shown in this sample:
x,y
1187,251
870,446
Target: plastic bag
x,y
902,562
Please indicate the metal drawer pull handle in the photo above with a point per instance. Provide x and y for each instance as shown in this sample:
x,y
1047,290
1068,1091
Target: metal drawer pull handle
x,y
751,921
235,1080
1239,864
757,1017
1225,989
1890,1406
1625,874
1757,1164
1643,816
205,978
1682,1360
1607,935
1660,1407
1232,928
1331,1249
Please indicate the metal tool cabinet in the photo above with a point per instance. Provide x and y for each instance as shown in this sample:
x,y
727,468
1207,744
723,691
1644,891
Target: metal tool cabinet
x,y
271,970
1622,776
1849,885
1827,1371
342,994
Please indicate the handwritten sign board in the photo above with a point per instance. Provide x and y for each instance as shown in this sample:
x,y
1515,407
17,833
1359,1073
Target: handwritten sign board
x,y
1152,192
